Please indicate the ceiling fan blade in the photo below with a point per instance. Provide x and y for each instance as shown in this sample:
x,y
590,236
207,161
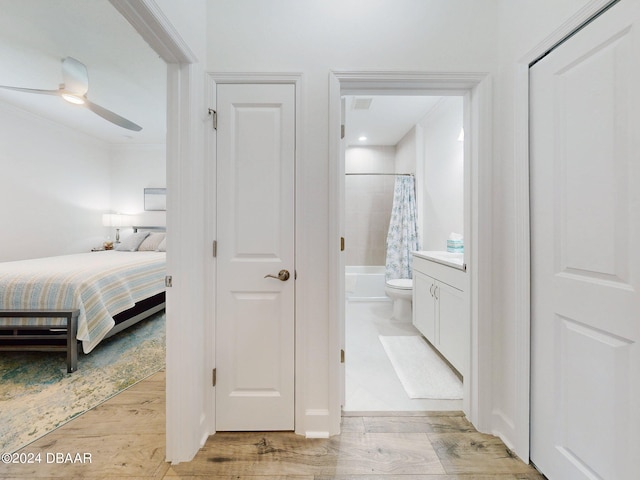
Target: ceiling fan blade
x,y
112,117
32,90
75,76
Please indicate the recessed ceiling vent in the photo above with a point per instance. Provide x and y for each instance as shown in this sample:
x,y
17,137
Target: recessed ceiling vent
x,y
361,103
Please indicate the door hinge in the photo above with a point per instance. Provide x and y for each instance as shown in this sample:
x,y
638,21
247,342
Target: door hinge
x,y
342,244
342,356
214,116
215,248
213,377
168,281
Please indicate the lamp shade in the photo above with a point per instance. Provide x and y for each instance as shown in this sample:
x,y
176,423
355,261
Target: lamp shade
x,y
115,220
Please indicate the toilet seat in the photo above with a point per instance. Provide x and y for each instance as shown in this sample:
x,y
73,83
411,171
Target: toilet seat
x,y
401,283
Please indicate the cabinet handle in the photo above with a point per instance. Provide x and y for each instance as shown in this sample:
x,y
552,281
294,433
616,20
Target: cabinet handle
x,y
431,290
435,292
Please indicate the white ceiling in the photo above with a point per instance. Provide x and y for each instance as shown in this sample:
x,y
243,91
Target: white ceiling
x,y
387,120
128,78
125,75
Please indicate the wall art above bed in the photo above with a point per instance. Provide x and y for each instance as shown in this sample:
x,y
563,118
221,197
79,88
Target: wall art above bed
x,y
155,199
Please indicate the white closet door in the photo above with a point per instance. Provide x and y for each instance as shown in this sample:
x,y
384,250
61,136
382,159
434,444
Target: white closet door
x,y
254,312
585,224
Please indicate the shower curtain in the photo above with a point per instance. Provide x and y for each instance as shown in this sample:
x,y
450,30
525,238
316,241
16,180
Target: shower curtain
x,y
402,238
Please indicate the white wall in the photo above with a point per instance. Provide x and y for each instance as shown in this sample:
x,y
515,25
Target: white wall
x,y
134,168
54,187
312,38
522,25
188,21
406,153
443,191
60,182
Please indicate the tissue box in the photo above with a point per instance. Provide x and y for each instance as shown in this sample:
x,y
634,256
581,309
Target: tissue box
x,y
455,246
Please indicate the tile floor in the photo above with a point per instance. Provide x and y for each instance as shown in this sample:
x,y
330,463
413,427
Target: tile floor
x,y
372,384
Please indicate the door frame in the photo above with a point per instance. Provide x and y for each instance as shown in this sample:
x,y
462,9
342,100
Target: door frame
x,y
187,426
213,79
476,87
522,280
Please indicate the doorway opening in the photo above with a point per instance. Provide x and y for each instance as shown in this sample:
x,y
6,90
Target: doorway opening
x,y
475,91
404,171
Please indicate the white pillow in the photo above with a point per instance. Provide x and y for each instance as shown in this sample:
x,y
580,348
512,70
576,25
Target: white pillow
x,y
152,242
163,245
132,242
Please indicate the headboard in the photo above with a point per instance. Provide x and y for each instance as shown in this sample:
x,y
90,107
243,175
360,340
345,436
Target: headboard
x,y
150,229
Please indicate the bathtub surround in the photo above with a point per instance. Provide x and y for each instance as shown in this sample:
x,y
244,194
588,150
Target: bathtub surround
x,y
368,200
402,238
365,283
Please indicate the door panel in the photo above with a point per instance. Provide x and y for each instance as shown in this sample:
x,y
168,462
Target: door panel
x,y
424,306
255,313
453,341
585,228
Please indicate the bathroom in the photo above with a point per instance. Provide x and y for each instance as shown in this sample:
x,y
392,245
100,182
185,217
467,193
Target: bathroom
x,y
418,140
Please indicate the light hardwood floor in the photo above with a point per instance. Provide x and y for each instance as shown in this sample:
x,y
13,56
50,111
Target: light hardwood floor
x,y
125,437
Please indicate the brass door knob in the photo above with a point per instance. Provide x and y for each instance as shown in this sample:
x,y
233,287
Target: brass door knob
x,y
283,275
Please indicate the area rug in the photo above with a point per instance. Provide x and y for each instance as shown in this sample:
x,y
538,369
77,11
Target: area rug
x,y
37,395
421,371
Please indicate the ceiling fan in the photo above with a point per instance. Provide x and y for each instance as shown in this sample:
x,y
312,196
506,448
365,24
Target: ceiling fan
x,y
74,90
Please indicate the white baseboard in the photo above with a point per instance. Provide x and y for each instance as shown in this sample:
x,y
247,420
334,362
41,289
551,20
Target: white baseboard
x,y
316,423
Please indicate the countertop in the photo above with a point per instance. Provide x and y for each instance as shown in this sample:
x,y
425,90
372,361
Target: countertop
x,y
450,259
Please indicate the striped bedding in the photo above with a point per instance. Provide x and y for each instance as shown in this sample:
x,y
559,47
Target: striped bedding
x,y
99,284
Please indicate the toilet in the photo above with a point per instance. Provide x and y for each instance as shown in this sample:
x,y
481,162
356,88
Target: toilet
x,y
400,290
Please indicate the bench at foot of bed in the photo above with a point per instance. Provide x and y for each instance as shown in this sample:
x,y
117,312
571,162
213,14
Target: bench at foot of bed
x,y
40,337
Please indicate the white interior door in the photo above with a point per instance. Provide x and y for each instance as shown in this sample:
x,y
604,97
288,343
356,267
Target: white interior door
x,y
585,225
255,215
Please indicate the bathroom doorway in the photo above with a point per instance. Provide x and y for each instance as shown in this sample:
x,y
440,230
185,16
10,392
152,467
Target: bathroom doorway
x,y
416,140
475,88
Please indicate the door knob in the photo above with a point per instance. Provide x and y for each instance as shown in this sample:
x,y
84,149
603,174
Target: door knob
x,y
283,275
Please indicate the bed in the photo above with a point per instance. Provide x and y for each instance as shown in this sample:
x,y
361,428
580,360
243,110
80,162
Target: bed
x,y
53,303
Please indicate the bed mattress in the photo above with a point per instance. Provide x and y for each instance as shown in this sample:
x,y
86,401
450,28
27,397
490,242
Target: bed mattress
x,y
99,284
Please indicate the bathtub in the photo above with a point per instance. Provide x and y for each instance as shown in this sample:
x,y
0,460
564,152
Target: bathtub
x,y
365,283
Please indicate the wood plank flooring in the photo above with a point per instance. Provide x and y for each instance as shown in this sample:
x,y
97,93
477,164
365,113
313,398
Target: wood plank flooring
x,y
126,440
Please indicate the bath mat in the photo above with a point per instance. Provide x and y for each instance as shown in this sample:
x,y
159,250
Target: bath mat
x,y
421,371
37,395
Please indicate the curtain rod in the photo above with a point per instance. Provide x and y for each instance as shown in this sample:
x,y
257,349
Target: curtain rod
x,y
393,174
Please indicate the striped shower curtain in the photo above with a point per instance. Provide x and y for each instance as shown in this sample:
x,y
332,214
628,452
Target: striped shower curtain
x,y
402,238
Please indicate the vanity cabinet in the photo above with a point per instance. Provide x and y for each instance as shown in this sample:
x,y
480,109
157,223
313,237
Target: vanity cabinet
x,y
439,308
424,305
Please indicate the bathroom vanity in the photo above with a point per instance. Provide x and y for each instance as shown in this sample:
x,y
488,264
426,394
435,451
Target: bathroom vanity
x,y
440,309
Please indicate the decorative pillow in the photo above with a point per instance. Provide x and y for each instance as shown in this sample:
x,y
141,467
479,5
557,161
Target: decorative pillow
x,y
163,245
132,242
152,242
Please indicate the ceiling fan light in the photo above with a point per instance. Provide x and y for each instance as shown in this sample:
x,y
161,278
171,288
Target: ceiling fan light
x,y
75,99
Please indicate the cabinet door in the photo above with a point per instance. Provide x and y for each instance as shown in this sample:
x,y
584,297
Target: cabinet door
x,y
453,328
424,308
